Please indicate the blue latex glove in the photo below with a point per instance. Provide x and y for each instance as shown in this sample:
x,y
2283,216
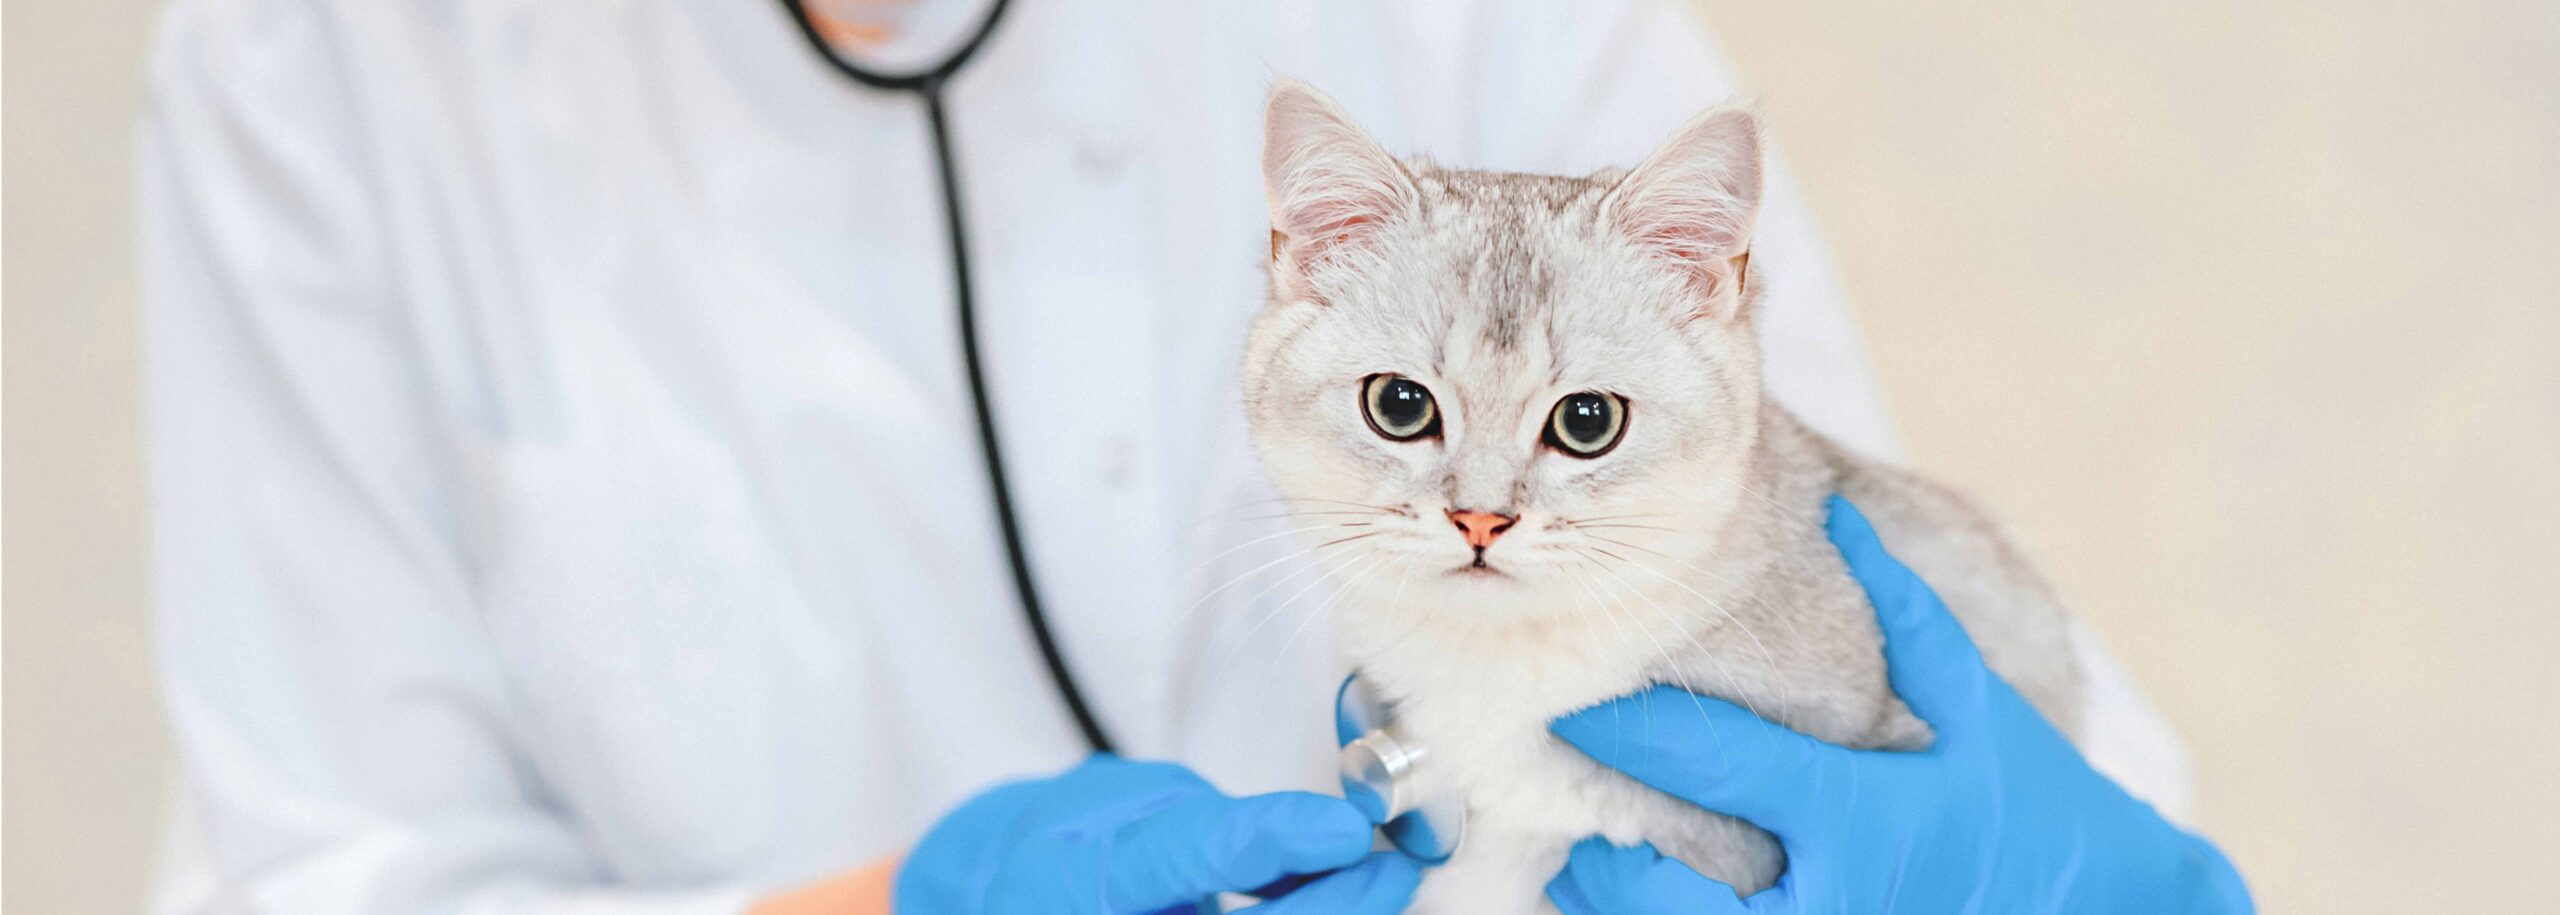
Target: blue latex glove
x,y
1114,836
2000,815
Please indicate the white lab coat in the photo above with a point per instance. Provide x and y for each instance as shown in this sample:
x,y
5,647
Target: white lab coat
x,y
564,482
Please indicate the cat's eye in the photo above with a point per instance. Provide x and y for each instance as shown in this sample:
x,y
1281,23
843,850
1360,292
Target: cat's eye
x,y
1587,424
1398,407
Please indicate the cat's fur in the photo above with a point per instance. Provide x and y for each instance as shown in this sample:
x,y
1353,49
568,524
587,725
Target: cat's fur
x,y
1693,553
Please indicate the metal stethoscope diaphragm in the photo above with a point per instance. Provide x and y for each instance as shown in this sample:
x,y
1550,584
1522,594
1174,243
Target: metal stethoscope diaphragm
x,y
1390,777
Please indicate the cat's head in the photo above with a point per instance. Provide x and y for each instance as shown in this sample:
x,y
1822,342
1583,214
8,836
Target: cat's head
x,y
1496,383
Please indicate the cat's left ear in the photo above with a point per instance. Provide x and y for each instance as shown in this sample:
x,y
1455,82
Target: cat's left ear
x,y
1692,203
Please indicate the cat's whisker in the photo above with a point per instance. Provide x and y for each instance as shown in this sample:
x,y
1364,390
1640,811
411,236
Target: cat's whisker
x,y
1615,526
1732,682
1427,615
1763,497
1348,539
1669,665
1396,604
1617,722
1594,594
1288,505
1766,655
1590,588
1215,518
1272,499
1585,581
1192,617
1596,639
1634,517
1249,503
1189,612
1784,618
1247,639
1319,565
1316,514
1337,502
1204,564
1206,515
1283,654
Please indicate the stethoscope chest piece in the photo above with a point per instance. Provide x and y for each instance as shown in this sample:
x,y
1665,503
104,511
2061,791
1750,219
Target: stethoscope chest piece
x,y
1391,778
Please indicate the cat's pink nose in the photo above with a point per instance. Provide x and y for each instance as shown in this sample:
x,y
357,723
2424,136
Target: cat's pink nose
x,y
1481,527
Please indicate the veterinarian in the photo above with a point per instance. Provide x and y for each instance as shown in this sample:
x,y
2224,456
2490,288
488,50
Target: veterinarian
x,y
569,474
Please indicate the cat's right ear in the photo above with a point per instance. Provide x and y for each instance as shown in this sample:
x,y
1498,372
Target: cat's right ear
x,y
1329,186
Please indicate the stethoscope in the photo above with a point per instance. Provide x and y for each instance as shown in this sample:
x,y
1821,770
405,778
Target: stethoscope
x,y
1382,769
927,84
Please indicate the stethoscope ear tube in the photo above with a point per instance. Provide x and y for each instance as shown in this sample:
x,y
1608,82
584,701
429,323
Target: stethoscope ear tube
x,y
927,84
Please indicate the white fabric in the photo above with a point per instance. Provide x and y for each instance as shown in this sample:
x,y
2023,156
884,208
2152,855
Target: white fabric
x,y
565,486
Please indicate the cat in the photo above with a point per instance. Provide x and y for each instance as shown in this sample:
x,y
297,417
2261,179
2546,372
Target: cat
x,y
1540,399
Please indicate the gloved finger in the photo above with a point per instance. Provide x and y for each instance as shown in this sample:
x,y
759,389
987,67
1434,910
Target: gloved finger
x,y
1381,884
945,870
1288,883
1932,663
1344,729
1714,754
1604,879
1217,844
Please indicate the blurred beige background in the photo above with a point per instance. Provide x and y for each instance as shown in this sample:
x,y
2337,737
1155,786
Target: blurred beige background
x,y
2246,318
87,766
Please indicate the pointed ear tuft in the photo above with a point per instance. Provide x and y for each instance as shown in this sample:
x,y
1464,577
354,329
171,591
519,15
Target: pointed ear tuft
x,y
1691,204
1330,187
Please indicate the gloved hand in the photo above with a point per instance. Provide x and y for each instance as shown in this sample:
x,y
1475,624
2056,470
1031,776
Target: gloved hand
x,y
1114,836
2000,815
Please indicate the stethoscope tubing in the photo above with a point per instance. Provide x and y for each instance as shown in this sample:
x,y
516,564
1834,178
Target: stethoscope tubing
x,y
927,84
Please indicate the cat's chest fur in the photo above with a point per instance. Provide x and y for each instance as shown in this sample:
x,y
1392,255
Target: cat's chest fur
x,y
1483,710
1770,619
1480,706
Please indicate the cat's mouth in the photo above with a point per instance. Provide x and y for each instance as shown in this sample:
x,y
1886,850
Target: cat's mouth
x,y
1478,569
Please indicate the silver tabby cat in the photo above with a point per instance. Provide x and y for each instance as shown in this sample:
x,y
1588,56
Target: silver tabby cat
x,y
1537,400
